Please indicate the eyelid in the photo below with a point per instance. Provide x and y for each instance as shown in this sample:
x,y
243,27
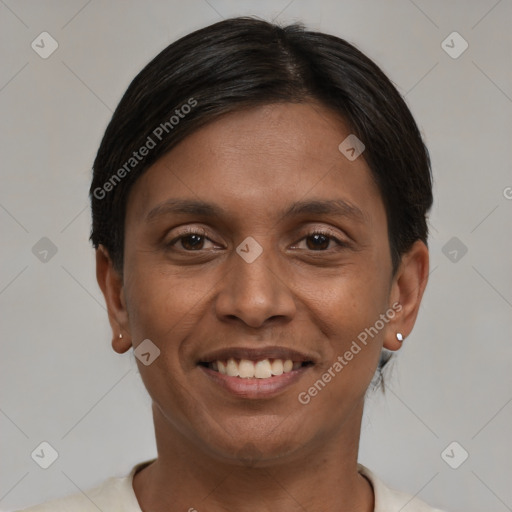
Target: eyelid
x,y
196,230
187,231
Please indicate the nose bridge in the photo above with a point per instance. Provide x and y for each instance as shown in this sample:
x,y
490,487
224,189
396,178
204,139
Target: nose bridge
x,y
253,289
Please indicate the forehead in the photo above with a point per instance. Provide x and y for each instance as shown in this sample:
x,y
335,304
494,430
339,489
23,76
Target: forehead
x,y
258,161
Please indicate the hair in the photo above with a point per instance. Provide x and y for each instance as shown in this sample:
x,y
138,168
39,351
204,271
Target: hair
x,y
243,63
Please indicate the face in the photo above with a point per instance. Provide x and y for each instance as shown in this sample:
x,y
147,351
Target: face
x,y
274,277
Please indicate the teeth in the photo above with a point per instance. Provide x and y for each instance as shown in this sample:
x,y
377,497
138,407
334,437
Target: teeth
x,y
262,369
277,367
232,368
247,369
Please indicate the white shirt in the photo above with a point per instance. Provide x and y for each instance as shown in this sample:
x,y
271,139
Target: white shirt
x,y
116,494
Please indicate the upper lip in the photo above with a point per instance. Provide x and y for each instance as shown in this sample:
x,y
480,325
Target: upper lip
x,y
256,354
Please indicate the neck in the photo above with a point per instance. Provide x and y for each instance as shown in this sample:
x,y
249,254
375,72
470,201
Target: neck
x,y
322,476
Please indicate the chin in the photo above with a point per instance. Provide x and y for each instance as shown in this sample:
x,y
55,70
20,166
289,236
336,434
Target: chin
x,y
256,446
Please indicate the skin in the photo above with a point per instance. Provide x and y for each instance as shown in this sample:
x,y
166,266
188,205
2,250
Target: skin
x,y
217,451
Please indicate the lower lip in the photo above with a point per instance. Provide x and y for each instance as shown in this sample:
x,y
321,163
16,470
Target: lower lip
x,y
255,388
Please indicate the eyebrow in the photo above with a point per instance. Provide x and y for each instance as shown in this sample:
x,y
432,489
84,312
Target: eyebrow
x,y
338,207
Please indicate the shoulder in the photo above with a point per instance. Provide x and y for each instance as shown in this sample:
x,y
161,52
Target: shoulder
x,y
87,501
106,496
115,494
391,500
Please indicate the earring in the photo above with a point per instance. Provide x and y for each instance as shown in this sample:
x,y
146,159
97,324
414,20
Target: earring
x,y
399,337
120,336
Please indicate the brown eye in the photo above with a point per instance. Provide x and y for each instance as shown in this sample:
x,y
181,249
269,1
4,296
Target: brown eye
x,y
190,240
319,241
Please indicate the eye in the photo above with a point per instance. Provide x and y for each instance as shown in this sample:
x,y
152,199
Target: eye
x,y
319,240
194,239
190,240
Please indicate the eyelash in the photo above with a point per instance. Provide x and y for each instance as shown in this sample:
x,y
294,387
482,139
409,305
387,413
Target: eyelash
x,y
195,231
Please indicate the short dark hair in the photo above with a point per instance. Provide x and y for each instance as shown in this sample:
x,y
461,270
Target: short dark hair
x,y
245,62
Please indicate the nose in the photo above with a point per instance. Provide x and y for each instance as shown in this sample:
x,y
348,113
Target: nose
x,y
255,292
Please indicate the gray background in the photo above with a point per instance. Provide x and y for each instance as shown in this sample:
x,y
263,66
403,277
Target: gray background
x,y
61,381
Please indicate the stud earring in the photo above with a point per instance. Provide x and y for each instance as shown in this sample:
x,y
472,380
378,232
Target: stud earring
x,y
120,336
399,337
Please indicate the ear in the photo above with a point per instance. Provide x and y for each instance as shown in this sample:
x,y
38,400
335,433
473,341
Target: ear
x,y
407,289
111,284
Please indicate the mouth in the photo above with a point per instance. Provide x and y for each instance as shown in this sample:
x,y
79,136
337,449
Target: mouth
x,y
254,369
255,373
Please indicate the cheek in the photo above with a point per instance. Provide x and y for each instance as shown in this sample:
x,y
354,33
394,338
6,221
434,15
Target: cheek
x,y
161,299
161,309
347,316
348,313
350,301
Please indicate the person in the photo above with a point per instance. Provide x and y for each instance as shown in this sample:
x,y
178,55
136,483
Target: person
x,y
259,214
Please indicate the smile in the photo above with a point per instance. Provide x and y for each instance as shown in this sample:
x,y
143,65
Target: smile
x,y
255,372
248,369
